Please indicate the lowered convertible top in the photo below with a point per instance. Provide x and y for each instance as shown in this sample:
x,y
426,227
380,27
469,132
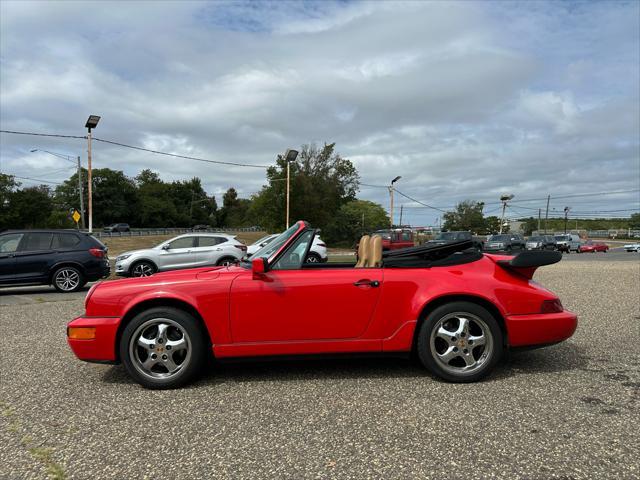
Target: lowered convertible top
x,y
425,256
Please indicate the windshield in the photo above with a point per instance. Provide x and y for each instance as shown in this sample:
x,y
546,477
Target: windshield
x,y
499,238
266,238
536,239
385,234
562,237
272,247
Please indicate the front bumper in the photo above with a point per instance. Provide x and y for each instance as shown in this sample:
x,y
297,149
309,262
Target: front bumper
x,y
540,328
102,348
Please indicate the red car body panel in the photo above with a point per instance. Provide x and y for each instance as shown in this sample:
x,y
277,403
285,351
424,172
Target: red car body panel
x,y
593,247
320,310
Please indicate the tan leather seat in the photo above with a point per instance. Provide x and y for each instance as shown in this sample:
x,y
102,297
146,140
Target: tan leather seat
x,y
363,252
375,252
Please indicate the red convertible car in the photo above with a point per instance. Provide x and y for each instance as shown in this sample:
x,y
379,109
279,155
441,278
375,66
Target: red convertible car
x,y
593,247
456,308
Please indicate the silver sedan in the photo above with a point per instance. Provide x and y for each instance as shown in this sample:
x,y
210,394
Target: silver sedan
x,y
185,251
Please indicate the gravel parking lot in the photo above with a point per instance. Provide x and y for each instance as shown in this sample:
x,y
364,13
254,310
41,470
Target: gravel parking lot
x,y
569,411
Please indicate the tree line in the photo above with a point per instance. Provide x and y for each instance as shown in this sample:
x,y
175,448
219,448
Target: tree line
x,y
323,191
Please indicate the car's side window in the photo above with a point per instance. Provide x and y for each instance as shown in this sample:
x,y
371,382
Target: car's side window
x,y
210,241
293,258
63,241
184,242
406,236
36,241
9,243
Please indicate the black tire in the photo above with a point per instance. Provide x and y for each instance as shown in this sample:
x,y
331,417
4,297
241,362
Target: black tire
x,y
67,279
181,322
313,258
480,320
143,268
226,261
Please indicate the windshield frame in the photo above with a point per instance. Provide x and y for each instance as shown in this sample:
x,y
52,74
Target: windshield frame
x,y
276,246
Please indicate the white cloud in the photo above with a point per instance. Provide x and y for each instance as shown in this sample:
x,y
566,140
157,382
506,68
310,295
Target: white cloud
x,y
463,99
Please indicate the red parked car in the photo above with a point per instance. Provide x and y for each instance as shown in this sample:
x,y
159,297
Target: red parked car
x,y
457,308
593,247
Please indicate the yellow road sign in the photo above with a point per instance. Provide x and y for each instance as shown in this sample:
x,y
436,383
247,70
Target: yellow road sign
x,y
75,216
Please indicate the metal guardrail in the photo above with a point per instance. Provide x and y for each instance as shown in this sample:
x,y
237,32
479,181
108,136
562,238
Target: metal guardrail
x,y
143,232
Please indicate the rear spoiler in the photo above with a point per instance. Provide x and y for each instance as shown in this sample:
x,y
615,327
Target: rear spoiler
x,y
526,263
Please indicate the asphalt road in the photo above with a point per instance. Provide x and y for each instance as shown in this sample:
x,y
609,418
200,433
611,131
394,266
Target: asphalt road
x,y
570,411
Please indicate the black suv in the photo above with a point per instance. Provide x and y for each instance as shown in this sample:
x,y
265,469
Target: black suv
x,y
507,242
66,259
447,237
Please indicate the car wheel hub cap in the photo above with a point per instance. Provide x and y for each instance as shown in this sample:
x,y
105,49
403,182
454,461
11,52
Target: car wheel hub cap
x,y
160,348
461,343
142,270
67,279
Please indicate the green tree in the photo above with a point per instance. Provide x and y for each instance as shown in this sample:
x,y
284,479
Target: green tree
x,y
466,216
321,182
491,225
355,218
115,197
634,220
156,202
32,207
8,185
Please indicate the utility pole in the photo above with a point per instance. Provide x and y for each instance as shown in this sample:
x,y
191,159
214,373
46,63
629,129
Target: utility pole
x,y
92,122
566,215
539,214
546,215
504,199
391,194
401,207
80,189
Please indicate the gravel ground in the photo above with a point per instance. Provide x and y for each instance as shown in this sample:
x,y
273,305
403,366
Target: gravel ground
x,y
569,411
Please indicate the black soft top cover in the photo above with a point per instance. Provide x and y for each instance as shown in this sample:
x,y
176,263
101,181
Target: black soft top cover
x,y
430,255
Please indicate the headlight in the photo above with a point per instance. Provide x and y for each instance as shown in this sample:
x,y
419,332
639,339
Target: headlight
x,y
122,257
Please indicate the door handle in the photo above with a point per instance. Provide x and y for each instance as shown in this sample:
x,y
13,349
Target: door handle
x,y
367,282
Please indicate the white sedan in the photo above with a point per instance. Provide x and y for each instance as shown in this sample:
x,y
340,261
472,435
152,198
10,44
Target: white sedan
x,y
317,252
632,247
185,251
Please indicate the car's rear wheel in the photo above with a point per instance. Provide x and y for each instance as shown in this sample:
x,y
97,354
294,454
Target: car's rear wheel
x,y
227,261
313,258
163,347
68,279
143,269
460,342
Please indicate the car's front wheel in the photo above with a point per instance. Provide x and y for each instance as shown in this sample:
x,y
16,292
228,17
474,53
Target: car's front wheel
x,y
68,279
226,261
143,269
460,342
313,258
163,347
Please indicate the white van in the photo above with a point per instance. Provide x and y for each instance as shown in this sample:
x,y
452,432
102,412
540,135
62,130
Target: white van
x,y
567,242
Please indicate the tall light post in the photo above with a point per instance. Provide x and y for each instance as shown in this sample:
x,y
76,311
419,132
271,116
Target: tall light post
x,y
566,217
504,199
92,122
391,194
289,157
80,189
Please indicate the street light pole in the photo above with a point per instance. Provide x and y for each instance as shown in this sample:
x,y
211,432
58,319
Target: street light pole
x,y
289,156
504,199
80,189
566,217
92,122
391,194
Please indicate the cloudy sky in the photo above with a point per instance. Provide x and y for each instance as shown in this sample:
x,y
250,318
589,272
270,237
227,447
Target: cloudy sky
x,y
464,100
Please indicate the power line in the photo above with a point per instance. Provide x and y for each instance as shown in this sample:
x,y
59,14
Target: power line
x,y
42,134
418,201
37,180
158,152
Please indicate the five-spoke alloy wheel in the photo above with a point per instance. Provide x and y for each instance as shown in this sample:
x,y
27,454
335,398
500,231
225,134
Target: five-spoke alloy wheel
x,y
68,279
143,269
163,347
460,342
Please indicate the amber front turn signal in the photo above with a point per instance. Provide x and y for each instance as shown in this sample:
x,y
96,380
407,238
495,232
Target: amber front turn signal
x,y
81,333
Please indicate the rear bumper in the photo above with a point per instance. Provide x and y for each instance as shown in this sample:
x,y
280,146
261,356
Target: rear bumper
x,y
540,328
102,347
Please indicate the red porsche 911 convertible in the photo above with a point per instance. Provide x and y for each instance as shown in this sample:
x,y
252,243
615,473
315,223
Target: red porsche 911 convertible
x,y
456,308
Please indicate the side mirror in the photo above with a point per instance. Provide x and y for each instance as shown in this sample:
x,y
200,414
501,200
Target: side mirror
x,y
259,266
165,246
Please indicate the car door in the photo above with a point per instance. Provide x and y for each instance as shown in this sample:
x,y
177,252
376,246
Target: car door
x,y
208,249
34,256
178,253
289,303
8,247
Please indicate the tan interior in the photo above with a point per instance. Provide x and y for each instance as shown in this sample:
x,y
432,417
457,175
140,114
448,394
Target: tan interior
x,y
375,252
363,252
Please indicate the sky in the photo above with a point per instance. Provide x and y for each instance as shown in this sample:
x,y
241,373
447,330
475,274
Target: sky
x,y
463,100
